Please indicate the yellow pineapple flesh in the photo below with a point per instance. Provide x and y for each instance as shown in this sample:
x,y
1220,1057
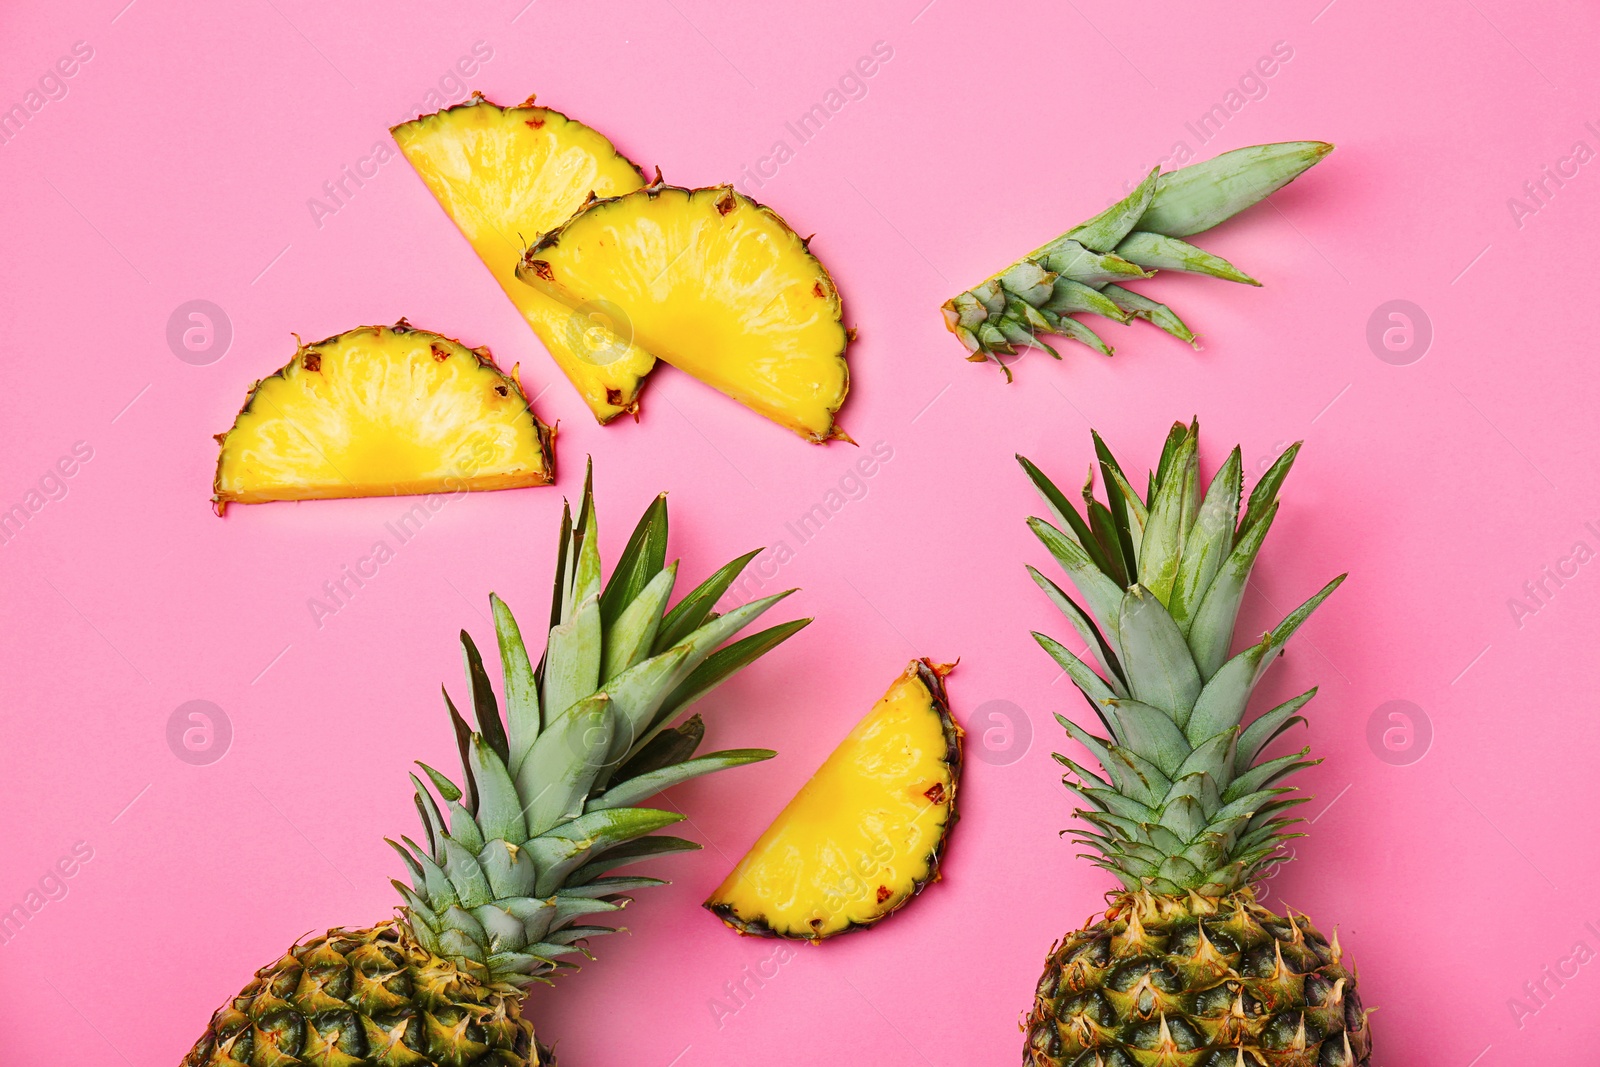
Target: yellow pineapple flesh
x,y
505,176
714,284
382,411
865,834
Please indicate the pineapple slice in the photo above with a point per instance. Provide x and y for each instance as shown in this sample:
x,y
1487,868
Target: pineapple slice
x,y
865,834
382,411
505,176
716,285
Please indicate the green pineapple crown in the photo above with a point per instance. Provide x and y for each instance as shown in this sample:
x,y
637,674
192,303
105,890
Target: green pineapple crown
x,y
1084,269
1188,801
514,863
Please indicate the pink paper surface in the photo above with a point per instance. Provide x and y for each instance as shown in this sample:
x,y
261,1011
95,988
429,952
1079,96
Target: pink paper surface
x,y
180,161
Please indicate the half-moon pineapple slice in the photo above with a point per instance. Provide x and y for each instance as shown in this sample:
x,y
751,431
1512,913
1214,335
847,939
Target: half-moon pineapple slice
x,y
714,284
505,176
382,411
866,833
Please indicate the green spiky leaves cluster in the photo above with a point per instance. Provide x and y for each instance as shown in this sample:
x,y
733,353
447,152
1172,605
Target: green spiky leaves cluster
x,y
1085,269
514,869
1186,798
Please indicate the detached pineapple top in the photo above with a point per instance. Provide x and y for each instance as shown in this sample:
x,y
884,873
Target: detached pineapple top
x,y
1186,800
549,803
1086,269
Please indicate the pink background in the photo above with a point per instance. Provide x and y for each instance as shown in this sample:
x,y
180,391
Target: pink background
x,y
179,166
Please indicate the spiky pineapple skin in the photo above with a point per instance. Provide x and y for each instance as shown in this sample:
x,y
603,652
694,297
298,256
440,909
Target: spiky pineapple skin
x,y
1192,981
353,998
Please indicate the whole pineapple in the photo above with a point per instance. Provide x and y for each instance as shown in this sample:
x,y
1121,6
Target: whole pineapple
x,y
1185,968
515,860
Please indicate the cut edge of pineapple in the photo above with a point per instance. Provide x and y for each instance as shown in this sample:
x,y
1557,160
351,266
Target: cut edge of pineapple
x,y
931,675
544,434
537,273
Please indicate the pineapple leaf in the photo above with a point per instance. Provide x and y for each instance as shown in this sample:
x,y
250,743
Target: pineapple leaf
x,y
1085,625
1151,734
572,660
636,695
1214,758
1265,494
569,846
1211,631
630,852
724,662
630,635
1090,684
601,887
641,560
1103,232
464,827
1066,514
1069,259
463,746
634,790
1259,734
522,688
444,785
586,575
509,869
1167,528
564,762
563,548
1154,251
1106,534
690,612
1264,774
1201,195
485,709
1169,451
665,749
461,866
1125,506
1208,543
1151,311
1068,296
1074,330
1103,594
432,820
1161,671
1138,778
499,807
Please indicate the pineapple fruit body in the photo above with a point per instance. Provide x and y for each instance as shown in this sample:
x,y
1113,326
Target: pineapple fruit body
x,y
865,835
715,284
354,998
382,411
505,176
1196,981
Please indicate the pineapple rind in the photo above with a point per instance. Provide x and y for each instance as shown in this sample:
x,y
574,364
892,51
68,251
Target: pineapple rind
x,y
715,284
1196,981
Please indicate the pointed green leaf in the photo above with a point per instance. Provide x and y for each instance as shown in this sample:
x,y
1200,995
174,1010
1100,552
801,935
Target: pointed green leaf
x,y
499,807
1153,312
555,779
1161,672
630,635
484,706
1265,494
667,748
1154,251
725,662
572,660
1199,196
641,560
1150,733
1267,727
1067,515
630,852
1090,684
522,690
461,866
1211,630
1166,529
636,790
692,611
1110,666
1208,543
1103,594
1105,230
